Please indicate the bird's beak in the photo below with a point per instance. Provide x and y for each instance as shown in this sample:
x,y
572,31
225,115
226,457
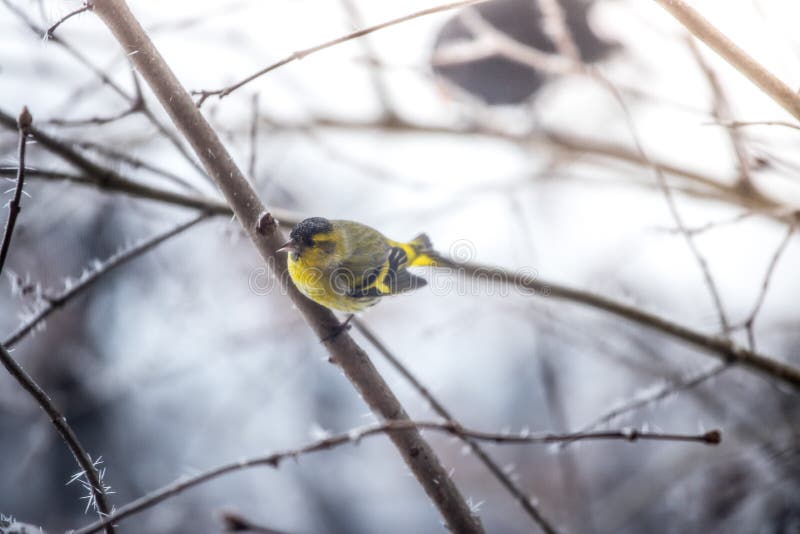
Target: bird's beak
x,y
289,245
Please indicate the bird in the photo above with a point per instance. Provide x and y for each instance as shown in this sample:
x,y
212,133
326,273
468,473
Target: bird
x,y
349,266
498,80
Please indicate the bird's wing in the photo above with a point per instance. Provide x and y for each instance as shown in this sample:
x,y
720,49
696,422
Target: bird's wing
x,y
389,277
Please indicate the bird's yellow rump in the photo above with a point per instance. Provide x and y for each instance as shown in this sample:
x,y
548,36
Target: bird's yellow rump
x,y
348,266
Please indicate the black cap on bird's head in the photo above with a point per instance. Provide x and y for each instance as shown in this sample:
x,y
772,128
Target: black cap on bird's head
x,y
302,235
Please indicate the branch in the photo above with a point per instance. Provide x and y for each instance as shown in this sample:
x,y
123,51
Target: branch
x,y
23,124
516,492
107,178
722,348
721,111
110,180
707,344
681,384
711,285
51,30
742,124
96,486
264,233
136,163
355,436
300,54
107,80
773,263
555,27
730,52
373,66
54,302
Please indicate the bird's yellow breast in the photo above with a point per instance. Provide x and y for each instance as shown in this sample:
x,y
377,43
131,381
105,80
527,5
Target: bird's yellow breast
x,y
318,285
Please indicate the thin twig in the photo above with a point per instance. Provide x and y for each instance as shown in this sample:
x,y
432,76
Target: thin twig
x,y
109,180
554,24
300,54
562,36
773,263
251,161
107,80
703,228
668,390
718,189
379,85
489,41
51,30
733,54
743,124
274,460
106,178
23,124
671,204
54,302
718,347
136,163
721,111
94,121
96,486
516,492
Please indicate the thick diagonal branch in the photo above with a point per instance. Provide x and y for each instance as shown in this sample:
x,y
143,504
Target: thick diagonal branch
x,y
265,235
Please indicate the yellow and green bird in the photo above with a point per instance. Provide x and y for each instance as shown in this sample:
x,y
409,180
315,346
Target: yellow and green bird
x,y
348,266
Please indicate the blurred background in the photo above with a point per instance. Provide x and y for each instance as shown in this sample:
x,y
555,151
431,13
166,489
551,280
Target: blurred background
x,y
181,359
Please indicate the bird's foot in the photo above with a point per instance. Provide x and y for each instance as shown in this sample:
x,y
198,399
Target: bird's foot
x,y
343,327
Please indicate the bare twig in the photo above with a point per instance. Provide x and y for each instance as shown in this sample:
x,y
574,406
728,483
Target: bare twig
x,y
516,492
718,189
107,80
671,204
300,54
51,30
489,40
23,124
561,36
651,398
274,460
251,161
776,256
703,228
555,26
96,486
263,231
54,302
730,52
109,180
136,163
718,347
95,121
743,124
379,85
106,178
721,111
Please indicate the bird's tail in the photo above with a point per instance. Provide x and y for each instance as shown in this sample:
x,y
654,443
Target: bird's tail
x,y
422,252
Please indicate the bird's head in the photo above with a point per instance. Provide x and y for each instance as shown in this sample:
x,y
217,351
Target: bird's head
x,y
314,241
